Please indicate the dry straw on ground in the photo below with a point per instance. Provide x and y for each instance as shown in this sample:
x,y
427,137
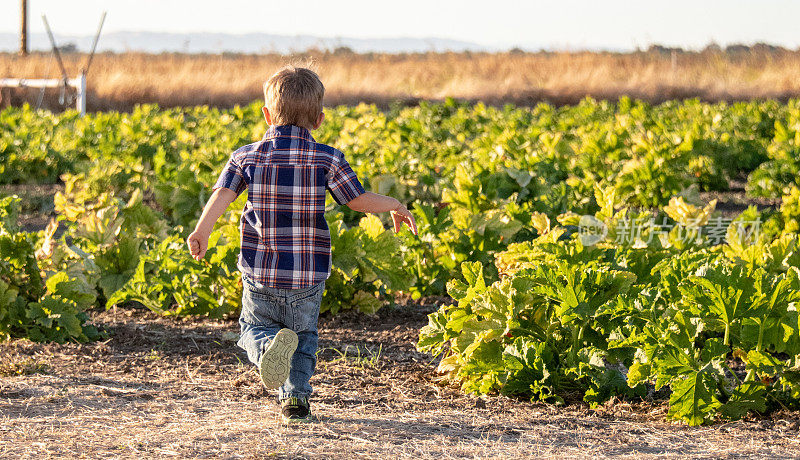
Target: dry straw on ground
x,y
162,388
118,81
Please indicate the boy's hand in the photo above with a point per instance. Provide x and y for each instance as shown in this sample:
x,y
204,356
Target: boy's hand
x,y
219,201
402,215
198,244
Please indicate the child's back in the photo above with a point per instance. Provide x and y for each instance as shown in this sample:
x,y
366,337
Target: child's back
x,y
285,256
285,239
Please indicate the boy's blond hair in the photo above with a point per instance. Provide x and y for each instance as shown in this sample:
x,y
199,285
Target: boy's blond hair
x,y
293,96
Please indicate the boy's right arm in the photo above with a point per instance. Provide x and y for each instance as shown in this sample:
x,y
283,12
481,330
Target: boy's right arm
x,y
216,206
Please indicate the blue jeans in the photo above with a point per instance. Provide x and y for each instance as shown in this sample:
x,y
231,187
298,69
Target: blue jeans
x,y
267,310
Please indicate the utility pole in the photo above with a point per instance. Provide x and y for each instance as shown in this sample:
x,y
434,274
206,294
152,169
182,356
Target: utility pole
x,y
23,36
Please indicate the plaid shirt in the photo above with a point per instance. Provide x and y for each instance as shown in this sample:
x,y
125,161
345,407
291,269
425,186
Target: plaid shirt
x,y
285,239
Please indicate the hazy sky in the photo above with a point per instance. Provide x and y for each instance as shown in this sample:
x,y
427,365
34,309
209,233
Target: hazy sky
x,y
615,24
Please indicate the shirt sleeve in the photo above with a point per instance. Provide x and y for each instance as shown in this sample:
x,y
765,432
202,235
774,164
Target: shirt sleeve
x,y
231,177
343,182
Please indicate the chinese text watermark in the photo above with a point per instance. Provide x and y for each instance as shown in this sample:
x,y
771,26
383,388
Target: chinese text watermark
x,y
644,230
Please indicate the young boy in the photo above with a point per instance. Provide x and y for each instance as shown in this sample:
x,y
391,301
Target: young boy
x,y
285,247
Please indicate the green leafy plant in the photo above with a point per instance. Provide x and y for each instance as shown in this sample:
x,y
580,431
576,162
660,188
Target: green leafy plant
x,y
539,333
168,281
366,263
39,309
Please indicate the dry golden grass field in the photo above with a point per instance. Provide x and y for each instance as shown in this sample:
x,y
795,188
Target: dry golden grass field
x,y
118,81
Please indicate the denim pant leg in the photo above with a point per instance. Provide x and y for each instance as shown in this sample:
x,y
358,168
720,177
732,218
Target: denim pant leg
x,y
303,307
260,320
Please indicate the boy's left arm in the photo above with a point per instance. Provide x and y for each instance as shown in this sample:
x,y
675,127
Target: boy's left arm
x,y
375,203
216,206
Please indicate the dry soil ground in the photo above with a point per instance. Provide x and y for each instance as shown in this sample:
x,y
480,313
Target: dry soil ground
x,y
165,388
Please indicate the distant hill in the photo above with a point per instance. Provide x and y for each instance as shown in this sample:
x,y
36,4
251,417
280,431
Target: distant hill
x,y
154,42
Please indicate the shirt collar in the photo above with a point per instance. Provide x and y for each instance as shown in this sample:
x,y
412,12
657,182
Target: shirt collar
x,y
288,131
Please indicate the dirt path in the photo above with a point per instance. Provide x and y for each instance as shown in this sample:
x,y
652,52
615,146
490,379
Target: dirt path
x,y
163,388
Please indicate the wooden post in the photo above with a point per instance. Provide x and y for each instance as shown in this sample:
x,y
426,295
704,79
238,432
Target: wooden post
x,y
23,36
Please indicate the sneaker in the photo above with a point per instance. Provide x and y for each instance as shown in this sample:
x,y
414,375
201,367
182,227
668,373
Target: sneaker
x,y
277,359
295,410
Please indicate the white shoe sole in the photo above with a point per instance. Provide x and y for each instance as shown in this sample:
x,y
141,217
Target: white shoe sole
x,y
277,359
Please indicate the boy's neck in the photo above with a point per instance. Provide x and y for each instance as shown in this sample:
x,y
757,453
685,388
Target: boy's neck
x,y
299,126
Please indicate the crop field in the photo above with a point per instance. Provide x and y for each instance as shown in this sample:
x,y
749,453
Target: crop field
x,y
599,278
